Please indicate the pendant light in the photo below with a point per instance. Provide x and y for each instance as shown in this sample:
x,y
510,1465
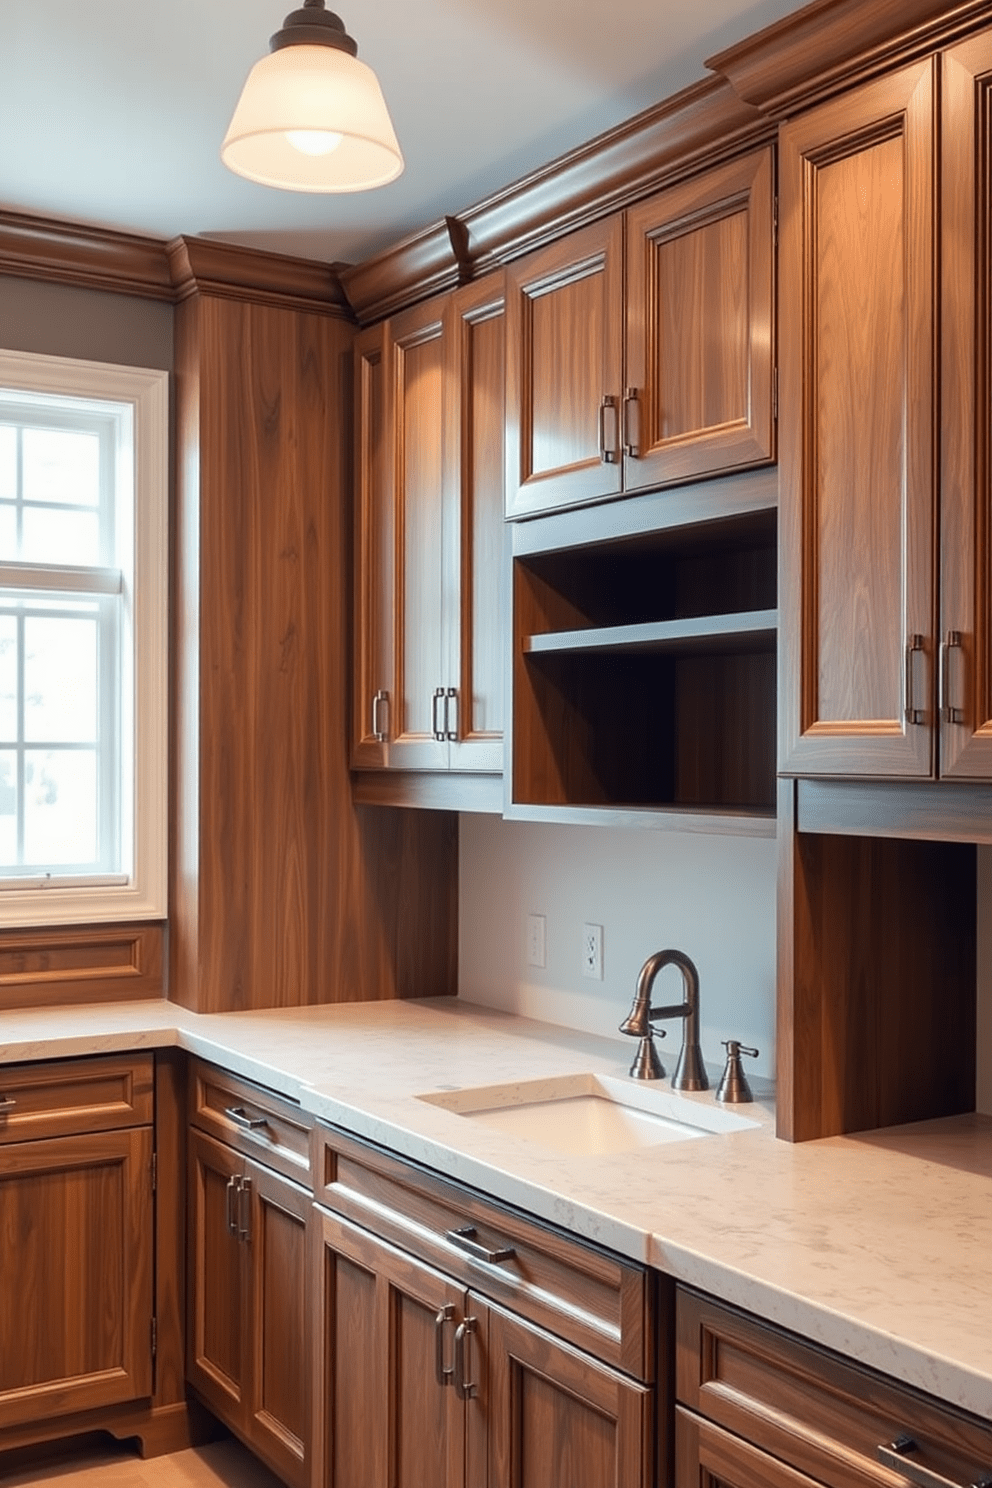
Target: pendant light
x,y
311,117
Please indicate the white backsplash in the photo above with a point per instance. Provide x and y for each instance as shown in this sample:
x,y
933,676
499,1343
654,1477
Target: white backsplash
x,y
710,896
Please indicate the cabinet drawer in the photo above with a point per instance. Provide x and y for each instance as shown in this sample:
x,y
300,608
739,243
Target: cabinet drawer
x,y
263,1125
816,1412
63,1097
598,1302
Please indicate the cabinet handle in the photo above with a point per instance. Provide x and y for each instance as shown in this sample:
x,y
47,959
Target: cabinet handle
x,y
608,454
378,732
894,1455
437,726
465,1389
232,1188
464,1239
244,1209
913,714
631,442
451,711
240,1117
443,1372
950,714
7,1103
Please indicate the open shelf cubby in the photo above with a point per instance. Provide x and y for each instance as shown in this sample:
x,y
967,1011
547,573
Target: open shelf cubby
x,y
644,672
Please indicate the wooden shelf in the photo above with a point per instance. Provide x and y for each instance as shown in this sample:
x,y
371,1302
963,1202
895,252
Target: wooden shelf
x,y
749,630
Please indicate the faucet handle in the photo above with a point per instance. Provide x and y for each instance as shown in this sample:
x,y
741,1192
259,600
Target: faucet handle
x,y
733,1087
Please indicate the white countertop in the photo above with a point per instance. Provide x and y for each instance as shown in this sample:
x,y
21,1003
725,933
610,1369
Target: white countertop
x,y
878,1246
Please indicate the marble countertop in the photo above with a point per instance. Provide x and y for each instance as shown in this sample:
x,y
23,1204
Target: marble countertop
x,y
877,1245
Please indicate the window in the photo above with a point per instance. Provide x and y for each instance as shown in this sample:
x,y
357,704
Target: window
x,y
83,640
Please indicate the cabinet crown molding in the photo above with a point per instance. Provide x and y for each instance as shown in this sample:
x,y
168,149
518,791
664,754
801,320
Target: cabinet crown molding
x,y
206,266
421,265
79,253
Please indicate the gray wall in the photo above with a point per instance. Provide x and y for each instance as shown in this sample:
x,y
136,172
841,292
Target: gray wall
x,y
61,320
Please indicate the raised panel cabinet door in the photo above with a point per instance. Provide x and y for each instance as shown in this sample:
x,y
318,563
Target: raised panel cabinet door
x,y
700,327
856,329
706,1457
965,636
278,1393
373,674
217,1334
564,372
76,1241
558,1416
415,352
474,570
389,1414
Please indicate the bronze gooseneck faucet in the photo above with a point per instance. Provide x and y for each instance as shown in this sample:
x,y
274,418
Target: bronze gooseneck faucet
x,y
690,1072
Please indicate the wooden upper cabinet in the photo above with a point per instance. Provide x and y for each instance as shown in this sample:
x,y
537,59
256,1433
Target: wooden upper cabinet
x,y
857,405
965,636
564,376
429,530
700,328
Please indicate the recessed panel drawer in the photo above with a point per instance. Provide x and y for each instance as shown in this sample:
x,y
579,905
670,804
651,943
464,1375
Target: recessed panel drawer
x,y
62,1097
815,1411
263,1125
597,1301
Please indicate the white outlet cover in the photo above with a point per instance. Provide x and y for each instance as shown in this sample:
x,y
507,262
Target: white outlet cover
x,y
536,940
592,952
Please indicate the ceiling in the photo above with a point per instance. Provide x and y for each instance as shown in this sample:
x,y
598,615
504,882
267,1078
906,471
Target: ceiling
x,y
112,111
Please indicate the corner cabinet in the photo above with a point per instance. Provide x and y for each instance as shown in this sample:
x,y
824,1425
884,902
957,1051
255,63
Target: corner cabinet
x,y
428,542
248,1329
464,1344
640,351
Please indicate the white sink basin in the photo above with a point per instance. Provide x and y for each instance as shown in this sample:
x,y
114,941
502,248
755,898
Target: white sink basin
x,y
589,1114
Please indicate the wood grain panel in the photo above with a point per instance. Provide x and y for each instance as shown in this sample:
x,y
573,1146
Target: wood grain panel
x,y
564,355
700,326
76,1237
706,1457
216,1329
876,992
100,963
281,1136
284,893
966,411
63,1097
374,577
858,497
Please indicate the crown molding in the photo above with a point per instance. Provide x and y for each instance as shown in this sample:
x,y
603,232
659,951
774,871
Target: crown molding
x,y
424,264
89,257
228,271
832,44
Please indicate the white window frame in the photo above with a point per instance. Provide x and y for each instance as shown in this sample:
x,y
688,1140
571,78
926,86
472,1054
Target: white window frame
x,y
141,894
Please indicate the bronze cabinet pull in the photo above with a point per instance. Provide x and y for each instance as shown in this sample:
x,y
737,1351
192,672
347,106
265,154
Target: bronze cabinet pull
x,y
444,1373
232,1188
914,645
240,1117
950,642
631,442
895,1455
378,732
464,1239
465,1389
244,1209
437,726
607,453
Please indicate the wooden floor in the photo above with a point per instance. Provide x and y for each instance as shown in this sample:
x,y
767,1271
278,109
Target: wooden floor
x,y
223,1464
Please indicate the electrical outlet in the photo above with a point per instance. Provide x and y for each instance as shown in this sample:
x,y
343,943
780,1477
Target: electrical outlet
x,y
536,949
592,952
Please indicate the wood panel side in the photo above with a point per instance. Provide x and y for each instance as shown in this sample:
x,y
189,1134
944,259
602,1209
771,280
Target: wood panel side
x,y
286,893
86,963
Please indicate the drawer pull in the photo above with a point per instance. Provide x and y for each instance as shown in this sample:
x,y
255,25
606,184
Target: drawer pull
x,y
895,1455
444,1373
7,1103
240,1117
232,1188
465,1389
464,1239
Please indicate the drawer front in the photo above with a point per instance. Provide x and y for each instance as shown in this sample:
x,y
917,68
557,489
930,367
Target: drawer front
x,y
254,1121
598,1302
63,1097
813,1410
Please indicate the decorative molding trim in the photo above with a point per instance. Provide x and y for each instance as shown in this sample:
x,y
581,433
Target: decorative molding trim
x,y
424,264
90,257
938,811
206,266
112,963
829,45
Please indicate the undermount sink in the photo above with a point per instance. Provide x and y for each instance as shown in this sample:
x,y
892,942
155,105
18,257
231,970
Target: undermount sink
x,y
588,1114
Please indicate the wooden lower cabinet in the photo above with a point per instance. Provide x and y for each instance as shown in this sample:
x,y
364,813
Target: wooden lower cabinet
x,y
706,1457
249,1308
423,1382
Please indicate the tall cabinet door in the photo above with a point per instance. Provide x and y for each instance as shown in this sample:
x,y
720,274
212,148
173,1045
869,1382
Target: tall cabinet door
x,y
700,331
217,1339
474,526
965,639
372,700
856,414
556,1416
415,351
564,377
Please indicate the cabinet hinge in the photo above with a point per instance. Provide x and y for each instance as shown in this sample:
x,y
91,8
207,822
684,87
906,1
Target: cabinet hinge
x,y
154,1172
154,1336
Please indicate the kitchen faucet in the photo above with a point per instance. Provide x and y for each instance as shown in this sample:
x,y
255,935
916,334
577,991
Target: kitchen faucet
x,y
690,1072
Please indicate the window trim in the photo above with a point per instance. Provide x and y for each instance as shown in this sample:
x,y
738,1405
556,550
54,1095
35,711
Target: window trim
x,y
144,896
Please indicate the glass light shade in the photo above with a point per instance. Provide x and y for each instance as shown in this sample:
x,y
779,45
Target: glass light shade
x,y
304,89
